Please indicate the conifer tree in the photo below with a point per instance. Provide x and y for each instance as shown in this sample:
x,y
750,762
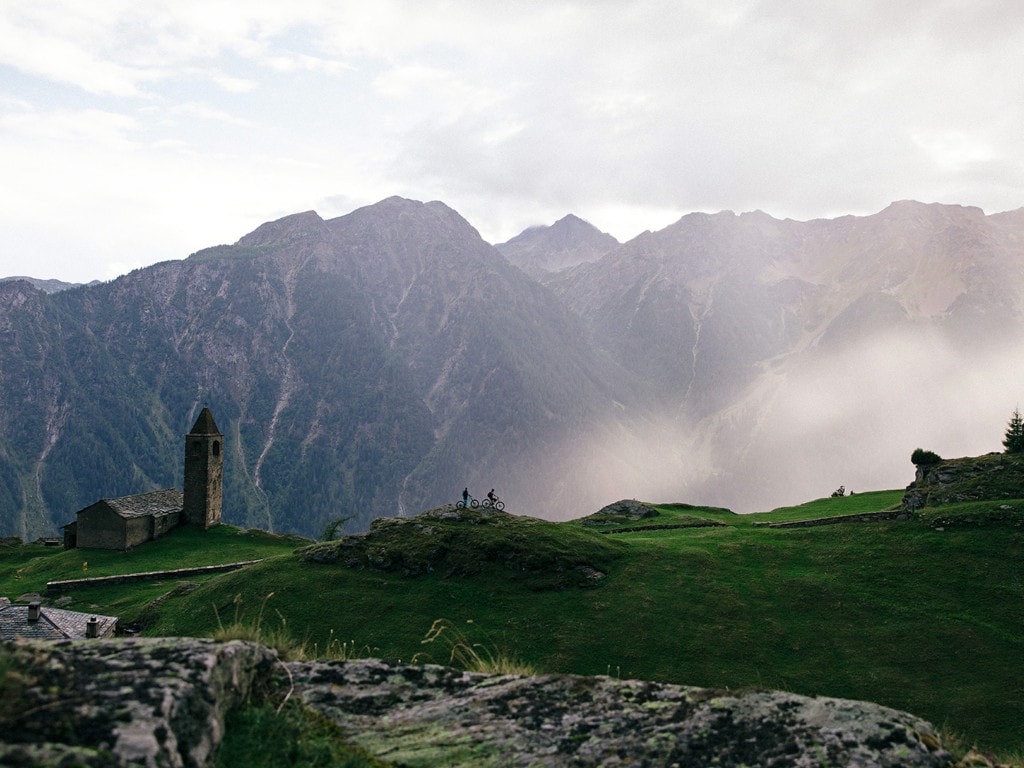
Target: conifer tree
x,y
1014,440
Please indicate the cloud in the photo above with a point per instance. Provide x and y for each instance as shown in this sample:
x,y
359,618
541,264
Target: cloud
x,y
853,418
626,113
802,430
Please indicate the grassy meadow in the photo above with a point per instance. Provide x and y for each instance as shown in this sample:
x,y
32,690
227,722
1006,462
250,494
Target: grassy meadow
x,y
910,614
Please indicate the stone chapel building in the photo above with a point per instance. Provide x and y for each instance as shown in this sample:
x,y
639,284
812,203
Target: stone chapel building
x,y
126,522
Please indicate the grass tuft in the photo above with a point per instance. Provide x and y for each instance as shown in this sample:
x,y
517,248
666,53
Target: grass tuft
x,y
470,656
252,630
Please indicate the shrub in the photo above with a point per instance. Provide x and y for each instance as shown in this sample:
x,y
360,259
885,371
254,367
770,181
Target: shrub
x,y
923,458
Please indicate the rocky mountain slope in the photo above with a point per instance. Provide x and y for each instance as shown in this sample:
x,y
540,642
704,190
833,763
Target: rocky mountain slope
x,y
377,363
781,355
382,359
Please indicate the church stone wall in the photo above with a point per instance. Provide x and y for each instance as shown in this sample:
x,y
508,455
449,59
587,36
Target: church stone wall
x,y
162,524
99,527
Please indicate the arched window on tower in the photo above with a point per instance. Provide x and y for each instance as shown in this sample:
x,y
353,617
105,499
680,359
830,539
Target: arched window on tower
x,y
216,447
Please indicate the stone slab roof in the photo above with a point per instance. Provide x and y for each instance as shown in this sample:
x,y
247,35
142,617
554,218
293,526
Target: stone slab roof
x,y
52,624
155,504
205,424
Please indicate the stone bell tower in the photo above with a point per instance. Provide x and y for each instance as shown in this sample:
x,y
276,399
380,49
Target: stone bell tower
x,y
204,472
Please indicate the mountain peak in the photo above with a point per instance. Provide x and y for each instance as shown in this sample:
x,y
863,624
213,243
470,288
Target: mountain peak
x,y
568,242
906,208
418,222
283,229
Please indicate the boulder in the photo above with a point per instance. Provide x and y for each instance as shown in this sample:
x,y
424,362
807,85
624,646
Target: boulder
x,y
429,715
161,703
155,702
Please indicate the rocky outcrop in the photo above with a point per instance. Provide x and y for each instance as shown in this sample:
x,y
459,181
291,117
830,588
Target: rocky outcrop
x,y
429,715
995,476
123,702
162,703
622,511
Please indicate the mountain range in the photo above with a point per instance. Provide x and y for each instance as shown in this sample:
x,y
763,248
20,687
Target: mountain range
x,y
377,363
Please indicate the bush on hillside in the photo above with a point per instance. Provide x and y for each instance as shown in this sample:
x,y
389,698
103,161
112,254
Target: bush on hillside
x,y
922,458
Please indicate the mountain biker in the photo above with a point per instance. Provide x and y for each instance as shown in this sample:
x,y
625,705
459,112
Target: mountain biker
x,y
491,496
465,496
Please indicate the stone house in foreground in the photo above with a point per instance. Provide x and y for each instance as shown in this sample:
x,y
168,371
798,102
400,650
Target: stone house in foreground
x,y
127,521
37,622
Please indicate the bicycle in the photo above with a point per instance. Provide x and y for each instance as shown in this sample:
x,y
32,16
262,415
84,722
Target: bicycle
x,y
462,503
498,504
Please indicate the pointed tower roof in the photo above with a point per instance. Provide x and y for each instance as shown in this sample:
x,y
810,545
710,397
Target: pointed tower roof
x,y
205,425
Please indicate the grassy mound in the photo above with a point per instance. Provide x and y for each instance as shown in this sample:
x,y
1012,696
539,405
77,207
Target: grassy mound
x,y
468,542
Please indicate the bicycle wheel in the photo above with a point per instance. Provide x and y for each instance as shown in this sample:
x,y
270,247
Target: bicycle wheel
x,y
461,505
475,503
487,502
499,505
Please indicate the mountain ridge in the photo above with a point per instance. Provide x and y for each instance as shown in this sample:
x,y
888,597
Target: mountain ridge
x,y
382,360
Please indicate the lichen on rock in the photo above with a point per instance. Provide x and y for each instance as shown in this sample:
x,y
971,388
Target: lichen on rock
x,y
162,702
154,702
425,715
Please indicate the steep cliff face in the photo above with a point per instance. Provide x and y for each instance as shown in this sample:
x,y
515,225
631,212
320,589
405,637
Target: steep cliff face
x,y
163,702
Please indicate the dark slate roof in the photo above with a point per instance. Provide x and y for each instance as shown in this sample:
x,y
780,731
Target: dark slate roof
x,y
53,623
204,424
157,503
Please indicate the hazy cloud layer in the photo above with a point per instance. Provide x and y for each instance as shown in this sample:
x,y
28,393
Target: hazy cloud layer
x,y
813,423
132,133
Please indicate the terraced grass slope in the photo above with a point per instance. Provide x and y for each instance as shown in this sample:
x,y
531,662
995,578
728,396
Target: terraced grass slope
x,y
922,614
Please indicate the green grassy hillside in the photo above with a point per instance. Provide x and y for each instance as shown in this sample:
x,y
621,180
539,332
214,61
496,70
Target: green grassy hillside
x,y
922,615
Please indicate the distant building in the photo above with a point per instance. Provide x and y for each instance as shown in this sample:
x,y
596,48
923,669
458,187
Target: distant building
x,y
125,522
37,622
128,521
204,472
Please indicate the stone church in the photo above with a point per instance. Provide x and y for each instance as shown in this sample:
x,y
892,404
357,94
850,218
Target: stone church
x,y
126,522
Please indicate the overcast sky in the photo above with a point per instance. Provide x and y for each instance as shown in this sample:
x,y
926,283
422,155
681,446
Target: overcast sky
x,y
134,132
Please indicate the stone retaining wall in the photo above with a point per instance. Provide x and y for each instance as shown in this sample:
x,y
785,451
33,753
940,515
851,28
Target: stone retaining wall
x,y
888,514
128,578
637,528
